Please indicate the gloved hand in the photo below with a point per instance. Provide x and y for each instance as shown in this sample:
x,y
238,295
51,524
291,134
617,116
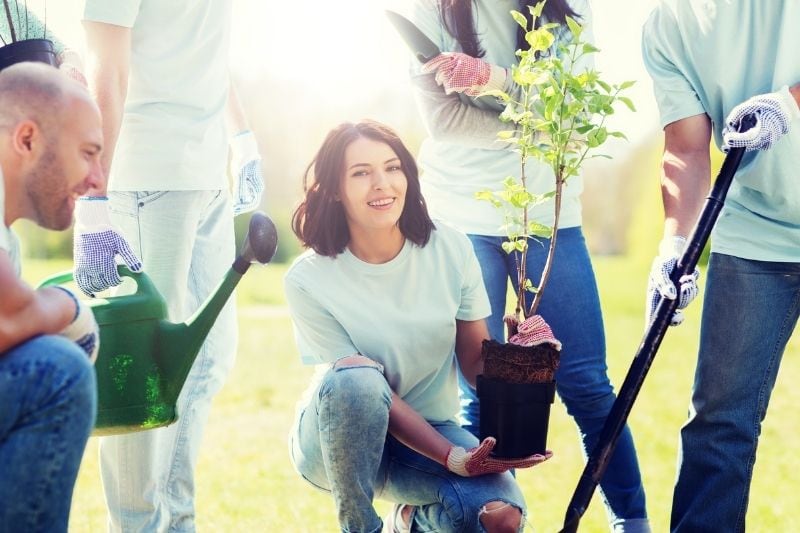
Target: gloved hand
x,y
476,462
95,246
458,72
659,285
246,170
83,329
774,113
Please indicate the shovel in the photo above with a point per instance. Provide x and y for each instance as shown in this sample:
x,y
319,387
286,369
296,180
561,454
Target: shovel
x,y
601,455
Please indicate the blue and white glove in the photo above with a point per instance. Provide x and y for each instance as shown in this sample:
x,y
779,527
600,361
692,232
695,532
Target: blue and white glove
x,y
774,113
96,245
660,285
83,329
246,171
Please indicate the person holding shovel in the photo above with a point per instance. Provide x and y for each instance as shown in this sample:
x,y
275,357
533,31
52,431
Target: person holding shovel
x,y
50,144
159,71
384,303
463,156
712,64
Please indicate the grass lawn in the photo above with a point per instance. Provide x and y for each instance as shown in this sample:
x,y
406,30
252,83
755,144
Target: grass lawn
x,y
246,483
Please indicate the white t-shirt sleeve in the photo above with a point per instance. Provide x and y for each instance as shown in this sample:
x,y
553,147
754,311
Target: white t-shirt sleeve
x,y
319,336
116,12
474,301
661,46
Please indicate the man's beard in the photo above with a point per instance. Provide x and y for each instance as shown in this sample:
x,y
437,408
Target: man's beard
x,y
46,187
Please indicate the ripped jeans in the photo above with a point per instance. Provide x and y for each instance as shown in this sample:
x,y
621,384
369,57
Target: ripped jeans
x,y
339,443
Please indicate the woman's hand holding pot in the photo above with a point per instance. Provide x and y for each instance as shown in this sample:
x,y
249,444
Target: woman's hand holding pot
x,y
477,461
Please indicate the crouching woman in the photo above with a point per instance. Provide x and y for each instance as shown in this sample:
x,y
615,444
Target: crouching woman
x,y
386,304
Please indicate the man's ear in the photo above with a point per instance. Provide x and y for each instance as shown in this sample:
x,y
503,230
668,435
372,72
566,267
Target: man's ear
x,y
26,138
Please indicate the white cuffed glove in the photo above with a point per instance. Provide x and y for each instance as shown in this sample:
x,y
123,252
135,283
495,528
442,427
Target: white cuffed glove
x,y
83,329
96,244
477,461
461,73
245,168
660,285
774,113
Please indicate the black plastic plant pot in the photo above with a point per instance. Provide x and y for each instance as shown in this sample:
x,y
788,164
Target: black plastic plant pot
x,y
28,50
516,414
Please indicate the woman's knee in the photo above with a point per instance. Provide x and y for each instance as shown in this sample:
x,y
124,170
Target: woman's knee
x,y
500,517
356,379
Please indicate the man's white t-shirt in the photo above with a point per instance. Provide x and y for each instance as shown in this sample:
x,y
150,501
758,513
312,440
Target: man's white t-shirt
x,y
173,133
402,314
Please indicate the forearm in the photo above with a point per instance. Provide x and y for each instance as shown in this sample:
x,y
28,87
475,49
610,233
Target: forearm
x,y
448,119
795,91
410,428
470,335
108,69
685,173
27,313
235,118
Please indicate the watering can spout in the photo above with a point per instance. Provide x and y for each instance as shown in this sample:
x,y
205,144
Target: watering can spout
x,y
179,344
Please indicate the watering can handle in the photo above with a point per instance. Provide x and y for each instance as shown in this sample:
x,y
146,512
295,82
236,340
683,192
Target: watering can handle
x,y
143,282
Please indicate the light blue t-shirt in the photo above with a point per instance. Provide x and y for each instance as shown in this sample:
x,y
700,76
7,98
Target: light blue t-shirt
x,y
8,241
173,133
707,56
453,173
402,314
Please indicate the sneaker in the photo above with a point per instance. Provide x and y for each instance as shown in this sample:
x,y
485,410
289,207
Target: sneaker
x,y
393,523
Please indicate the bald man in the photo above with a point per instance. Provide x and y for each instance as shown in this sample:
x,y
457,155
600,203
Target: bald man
x,y
50,141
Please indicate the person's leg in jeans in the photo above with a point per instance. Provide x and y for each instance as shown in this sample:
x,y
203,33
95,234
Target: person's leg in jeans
x,y
48,395
185,240
494,269
338,443
749,312
571,306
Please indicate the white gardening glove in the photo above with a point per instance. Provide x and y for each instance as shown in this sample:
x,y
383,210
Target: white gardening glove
x,y
245,168
461,73
659,284
774,113
477,461
83,329
96,244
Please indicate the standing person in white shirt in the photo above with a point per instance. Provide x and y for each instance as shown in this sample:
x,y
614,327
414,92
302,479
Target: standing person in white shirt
x,y
159,71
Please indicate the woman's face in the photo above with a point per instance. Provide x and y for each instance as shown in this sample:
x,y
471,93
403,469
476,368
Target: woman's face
x,y
373,187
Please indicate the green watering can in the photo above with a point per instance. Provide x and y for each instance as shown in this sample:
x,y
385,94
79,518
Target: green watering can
x,y
144,359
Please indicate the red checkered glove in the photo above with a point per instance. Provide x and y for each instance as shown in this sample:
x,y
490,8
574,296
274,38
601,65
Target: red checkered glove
x,y
534,331
458,72
477,461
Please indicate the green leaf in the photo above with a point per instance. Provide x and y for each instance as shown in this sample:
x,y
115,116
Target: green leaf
x,y
540,230
618,134
521,245
484,195
536,10
505,135
628,102
626,85
589,48
540,39
508,246
574,27
520,18
497,93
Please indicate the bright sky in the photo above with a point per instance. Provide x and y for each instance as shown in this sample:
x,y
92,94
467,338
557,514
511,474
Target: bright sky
x,y
347,46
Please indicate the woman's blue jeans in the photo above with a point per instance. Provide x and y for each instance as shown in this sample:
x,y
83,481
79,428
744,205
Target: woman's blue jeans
x,y
339,444
571,305
749,312
48,402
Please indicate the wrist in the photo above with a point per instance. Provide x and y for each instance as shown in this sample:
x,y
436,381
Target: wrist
x,y
456,461
672,246
792,100
91,214
73,299
244,148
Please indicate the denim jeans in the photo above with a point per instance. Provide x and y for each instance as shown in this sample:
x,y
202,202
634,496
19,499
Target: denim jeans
x,y
48,402
749,313
340,445
185,241
571,306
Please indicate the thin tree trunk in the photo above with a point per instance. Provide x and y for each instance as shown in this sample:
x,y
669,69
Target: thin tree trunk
x,y
550,251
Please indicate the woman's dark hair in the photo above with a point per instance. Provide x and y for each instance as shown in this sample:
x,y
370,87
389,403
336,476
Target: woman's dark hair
x,y
319,221
460,23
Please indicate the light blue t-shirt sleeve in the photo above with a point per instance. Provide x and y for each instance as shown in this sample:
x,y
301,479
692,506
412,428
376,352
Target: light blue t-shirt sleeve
x,y
661,50
319,336
474,301
116,12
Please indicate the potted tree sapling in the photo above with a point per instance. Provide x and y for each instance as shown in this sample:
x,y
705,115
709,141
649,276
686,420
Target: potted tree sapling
x,y
24,36
559,116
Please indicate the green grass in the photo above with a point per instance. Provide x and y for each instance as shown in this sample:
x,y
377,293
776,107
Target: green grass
x,y
245,481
